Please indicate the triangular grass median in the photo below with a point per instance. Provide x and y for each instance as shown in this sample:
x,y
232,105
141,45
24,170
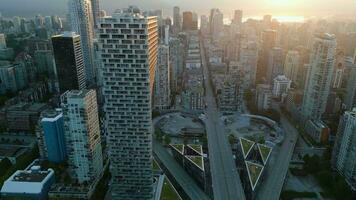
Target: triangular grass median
x,y
196,147
178,147
265,152
254,172
246,146
197,160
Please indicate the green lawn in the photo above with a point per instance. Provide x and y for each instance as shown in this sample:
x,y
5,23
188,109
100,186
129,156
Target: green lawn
x,y
168,192
179,147
265,151
246,145
198,160
196,147
254,171
155,165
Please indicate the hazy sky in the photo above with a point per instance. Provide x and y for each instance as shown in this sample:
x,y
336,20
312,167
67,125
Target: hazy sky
x,y
251,7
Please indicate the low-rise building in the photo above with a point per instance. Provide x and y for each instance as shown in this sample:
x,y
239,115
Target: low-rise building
x,y
31,183
24,116
281,85
318,130
263,97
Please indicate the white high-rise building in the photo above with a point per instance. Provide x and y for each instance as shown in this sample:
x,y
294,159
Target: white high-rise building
x,y
319,76
281,85
128,46
344,151
162,93
81,20
216,24
82,134
291,65
351,87
96,11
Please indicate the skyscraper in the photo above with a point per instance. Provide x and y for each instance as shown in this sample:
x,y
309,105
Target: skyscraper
x,y
351,87
162,89
339,70
268,42
187,21
176,20
128,46
319,76
344,151
204,25
237,17
216,24
96,11
82,134
81,20
68,57
249,59
291,65
275,64
176,51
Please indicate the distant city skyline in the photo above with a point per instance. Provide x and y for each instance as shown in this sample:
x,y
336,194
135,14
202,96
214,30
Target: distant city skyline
x,y
317,8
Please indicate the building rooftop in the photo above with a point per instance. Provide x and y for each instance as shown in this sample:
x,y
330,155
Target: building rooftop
x,y
281,78
325,36
30,176
29,181
10,151
51,115
66,34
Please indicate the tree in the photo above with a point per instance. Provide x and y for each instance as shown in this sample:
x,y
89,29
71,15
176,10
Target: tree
x,y
232,138
155,113
5,164
342,190
159,135
325,178
311,164
167,139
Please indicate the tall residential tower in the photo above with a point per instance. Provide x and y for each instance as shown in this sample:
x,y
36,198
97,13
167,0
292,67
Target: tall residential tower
x,y
319,76
128,44
82,134
81,20
344,151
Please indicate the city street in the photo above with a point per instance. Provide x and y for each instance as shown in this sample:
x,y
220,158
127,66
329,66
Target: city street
x,y
271,187
225,179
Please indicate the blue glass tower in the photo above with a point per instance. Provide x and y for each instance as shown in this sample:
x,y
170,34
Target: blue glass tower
x,y
54,139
